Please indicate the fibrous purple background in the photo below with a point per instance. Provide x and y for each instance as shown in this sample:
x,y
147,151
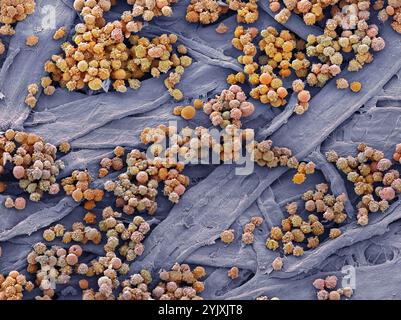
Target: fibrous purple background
x,y
217,199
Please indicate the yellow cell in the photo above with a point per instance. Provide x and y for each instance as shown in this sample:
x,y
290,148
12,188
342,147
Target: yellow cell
x,y
254,79
276,83
264,99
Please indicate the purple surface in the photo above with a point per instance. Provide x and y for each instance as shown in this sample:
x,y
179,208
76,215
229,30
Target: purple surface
x,y
218,199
